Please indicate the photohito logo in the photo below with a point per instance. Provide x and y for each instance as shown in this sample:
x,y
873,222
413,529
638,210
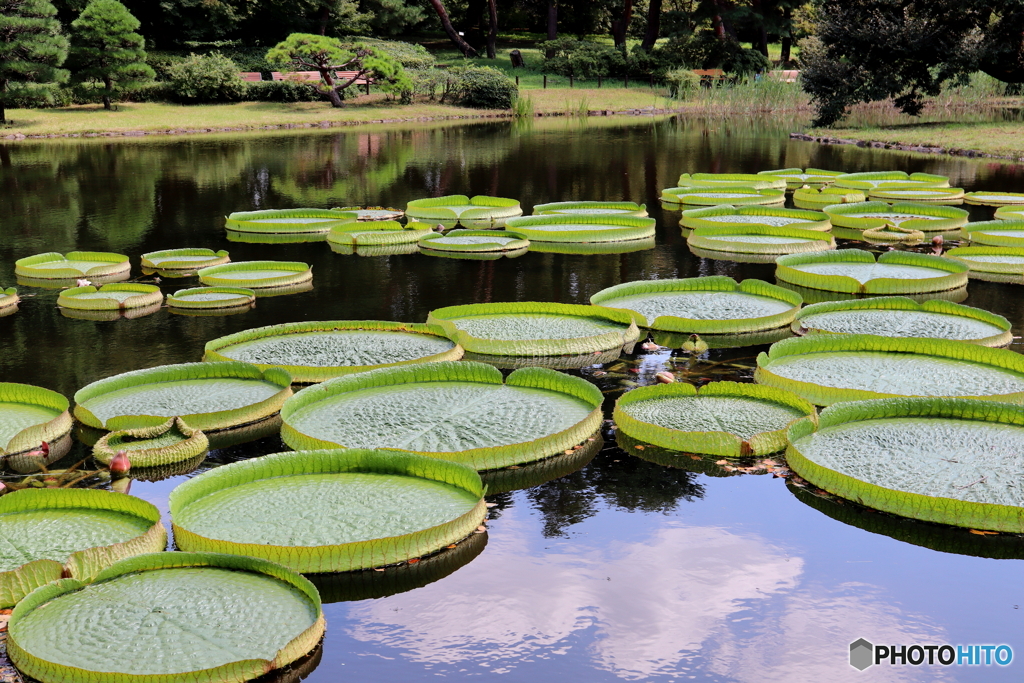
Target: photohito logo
x,y
864,654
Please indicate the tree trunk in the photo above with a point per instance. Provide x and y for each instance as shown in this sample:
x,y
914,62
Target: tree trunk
x,y
325,16
762,33
787,40
3,116
653,25
492,34
106,96
552,26
621,25
446,23
335,98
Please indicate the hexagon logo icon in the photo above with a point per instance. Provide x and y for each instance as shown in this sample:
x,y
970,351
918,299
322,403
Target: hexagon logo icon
x,y
862,654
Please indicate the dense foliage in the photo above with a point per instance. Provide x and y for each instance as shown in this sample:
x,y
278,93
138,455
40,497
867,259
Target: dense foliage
x,y
106,50
32,48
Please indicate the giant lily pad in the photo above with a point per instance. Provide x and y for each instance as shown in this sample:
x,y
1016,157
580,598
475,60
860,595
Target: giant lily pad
x,y
374,249
112,297
474,241
809,198
211,298
591,208
561,228
826,368
760,240
591,248
173,617
208,396
994,264
9,301
896,316
721,418
921,195
818,296
757,181
856,272
890,179
318,351
743,216
994,198
1010,213
29,416
48,533
952,461
704,305
96,265
1000,233
476,212
329,510
533,328
372,213
460,411
924,217
164,444
257,275
714,196
288,221
377,233
275,238
798,177
187,260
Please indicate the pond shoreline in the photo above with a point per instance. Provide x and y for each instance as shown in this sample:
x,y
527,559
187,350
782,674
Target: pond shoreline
x,y
881,144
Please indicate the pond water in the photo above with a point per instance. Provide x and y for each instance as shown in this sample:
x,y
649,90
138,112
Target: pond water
x,y
623,568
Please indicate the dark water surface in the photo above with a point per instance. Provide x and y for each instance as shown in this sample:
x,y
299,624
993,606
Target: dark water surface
x,y
625,569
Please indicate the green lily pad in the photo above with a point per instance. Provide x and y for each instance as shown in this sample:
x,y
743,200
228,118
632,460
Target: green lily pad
x,y
925,195
318,351
1010,213
894,316
994,198
474,241
77,264
704,305
536,473
817,296
757,181
211,298
257,274
208,396
590,248
1000,233
377,233
714,196
721,418
535,328
329,510
675,340
573,228
30,415
460,411
72,532
374,249
476,212
826,368
187,259
816,200
761,240
287,221
564,362
9,301
275,238
890,179
372,213
745,216
112,297
994,264
210,611
798,177
164,444
591,208
951,461
856,272
924,217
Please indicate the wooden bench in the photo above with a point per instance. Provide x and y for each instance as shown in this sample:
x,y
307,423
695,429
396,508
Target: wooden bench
x,y
312,76
787,76
251,76
709,77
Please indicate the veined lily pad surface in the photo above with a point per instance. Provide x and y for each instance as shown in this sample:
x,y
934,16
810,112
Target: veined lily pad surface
x,y
827,368
924,217
287,221
799,177
589,208
379,232
594,228
994,198
211,298
317,351
760,239
890,179
714,196
720,418
951,461
535,328
116,296
183,259
712,305
208,396
758,181
472,212
329,510
927,195
810,198
460,411
998,233
257,274
75,532
30,415
722,216
174,617
473,241
164,444
75,264
856,271
995,264
894,316
372,213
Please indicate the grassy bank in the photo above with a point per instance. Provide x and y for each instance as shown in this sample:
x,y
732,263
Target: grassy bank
x,y
1001,139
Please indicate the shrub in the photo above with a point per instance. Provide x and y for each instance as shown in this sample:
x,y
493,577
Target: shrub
x,y
681,83
582,59
479,87
280,91
409,55
206,78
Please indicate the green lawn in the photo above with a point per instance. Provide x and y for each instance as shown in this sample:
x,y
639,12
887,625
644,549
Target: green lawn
x,y
1004,139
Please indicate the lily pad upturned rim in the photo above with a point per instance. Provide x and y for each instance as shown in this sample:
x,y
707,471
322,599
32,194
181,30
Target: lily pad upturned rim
x,y
839,343
82,564
360,212
623,228
9,297
491,209
312,374
938,509
368,233
816,240
203,258
857,180
904,304
208,422
946,217
341,557
144,295
758,181
234,671
982,198
819,177
813,199
193,443
442,318
486,458
713,283
809,220
117,264
244,297
592,248
634,209
32,436
688,195
245,221
943,195
709,442
989,270
786,271
986,233
427,241
303,273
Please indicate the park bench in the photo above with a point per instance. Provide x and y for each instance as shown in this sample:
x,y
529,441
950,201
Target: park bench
x,y
251,76
311,76
709,77
786,76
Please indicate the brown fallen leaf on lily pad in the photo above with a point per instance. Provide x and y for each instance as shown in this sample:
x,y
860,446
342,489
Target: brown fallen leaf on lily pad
x,y
980,532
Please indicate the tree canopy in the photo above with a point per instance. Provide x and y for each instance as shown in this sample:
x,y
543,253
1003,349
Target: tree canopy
x,y
106,50
32,48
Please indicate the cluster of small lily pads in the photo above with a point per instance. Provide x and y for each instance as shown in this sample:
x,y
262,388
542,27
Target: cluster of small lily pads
x,y
394,425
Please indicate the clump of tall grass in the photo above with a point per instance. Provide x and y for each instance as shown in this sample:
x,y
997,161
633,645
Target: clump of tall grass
x,y
522,108
751,95
580,107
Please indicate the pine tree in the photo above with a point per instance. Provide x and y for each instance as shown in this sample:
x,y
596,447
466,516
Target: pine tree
x,y
32,48
105,48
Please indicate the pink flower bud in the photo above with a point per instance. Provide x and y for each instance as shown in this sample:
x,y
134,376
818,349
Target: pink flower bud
x,y
665,377
120,465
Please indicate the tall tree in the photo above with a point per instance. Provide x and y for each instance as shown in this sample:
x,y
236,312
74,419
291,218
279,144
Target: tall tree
x,y
552,22
446,23
105,48
621,24
653,30
492,30
31,50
